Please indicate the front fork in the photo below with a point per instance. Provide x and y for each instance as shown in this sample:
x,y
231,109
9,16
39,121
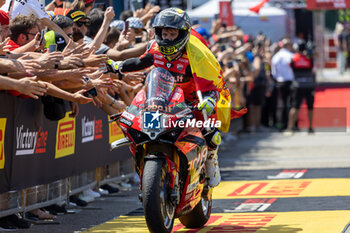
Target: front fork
x,y
173,172
172,175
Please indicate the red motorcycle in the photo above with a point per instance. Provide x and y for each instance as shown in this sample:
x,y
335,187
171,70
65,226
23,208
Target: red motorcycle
x,y
169,152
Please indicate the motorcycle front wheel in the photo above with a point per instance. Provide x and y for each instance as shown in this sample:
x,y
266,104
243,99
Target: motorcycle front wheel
x,y
199,215
159,211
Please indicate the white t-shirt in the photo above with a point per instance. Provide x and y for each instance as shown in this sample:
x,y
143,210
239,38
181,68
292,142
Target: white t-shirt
x,y
280,67
103,49
26,7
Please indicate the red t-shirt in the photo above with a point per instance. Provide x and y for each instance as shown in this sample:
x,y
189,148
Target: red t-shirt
x,y
13,45
61,11
13,92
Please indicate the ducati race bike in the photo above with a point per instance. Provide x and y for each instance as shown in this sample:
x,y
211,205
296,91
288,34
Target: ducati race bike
x,y
169,152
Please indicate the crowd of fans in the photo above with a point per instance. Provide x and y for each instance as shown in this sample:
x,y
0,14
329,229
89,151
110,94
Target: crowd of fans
x,y
254,78
37,61
341,38
70,48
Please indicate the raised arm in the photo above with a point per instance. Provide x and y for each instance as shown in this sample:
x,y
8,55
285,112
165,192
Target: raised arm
x,y
101,34
127,53
47,22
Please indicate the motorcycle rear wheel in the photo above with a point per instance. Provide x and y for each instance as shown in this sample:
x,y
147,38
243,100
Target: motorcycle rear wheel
x,y
199,216
159,211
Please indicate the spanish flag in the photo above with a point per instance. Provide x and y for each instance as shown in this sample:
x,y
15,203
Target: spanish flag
x,y
208,76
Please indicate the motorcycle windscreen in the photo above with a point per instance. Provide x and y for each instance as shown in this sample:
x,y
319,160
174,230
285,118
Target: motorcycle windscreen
x,y
159,86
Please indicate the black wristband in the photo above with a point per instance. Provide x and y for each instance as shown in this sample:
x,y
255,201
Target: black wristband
x,y
120,76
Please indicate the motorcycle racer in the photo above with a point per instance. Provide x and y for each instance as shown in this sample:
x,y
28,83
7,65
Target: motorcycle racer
x,y
181,51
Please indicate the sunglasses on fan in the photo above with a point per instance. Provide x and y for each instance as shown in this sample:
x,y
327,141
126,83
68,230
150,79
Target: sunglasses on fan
x,y
138,30
80,23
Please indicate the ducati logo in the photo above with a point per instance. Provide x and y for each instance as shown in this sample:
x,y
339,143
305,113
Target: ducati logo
x,y
169,65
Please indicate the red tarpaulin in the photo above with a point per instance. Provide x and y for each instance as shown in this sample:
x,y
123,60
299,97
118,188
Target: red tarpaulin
x,y
225,13
329,4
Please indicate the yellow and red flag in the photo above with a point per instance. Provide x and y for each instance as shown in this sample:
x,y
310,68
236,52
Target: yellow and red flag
x,y
208,76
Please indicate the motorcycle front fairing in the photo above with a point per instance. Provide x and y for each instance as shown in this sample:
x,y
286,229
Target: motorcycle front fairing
x,y
161,95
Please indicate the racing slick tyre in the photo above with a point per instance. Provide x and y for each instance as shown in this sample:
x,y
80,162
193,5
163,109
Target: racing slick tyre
x,y
198,216
159,211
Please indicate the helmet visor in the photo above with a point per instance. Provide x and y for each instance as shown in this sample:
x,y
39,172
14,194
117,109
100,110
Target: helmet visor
x,y
170,21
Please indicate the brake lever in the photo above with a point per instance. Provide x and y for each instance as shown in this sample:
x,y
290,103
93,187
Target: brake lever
x,y
115,117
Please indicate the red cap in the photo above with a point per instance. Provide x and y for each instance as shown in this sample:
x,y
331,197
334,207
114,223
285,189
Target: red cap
x,y
246,38
88,1
4,18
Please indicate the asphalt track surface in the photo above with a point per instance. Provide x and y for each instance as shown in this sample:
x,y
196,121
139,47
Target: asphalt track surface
x,y
264,201
292,200
270,184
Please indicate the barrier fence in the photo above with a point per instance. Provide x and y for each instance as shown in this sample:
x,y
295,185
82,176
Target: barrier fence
x,y
42,162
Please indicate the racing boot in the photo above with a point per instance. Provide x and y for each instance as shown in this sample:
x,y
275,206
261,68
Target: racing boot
x,y
213,170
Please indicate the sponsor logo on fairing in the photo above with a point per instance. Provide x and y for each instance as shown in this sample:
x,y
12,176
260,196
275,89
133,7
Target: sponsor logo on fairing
x,y
158,56
126,121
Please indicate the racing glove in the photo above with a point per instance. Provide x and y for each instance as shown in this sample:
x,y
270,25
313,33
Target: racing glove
x,y
208,104
113,67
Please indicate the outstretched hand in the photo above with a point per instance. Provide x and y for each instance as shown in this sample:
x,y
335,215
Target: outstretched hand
x,y
30,86
4,48
80,98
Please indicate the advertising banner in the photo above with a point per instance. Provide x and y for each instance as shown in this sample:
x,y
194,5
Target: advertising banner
x,y
65,137
6,135
2,142
327,4
35,150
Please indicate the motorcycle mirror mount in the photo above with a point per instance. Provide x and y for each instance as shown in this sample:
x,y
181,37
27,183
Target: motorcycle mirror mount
x,y
115,117
119,143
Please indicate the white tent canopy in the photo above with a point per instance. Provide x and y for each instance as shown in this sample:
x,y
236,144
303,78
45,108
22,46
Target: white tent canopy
x,y
272,21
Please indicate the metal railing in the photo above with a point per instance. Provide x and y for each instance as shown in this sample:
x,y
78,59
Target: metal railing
x,y
21,201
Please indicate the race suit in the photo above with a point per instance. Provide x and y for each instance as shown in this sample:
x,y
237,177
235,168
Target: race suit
x,y
179,68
